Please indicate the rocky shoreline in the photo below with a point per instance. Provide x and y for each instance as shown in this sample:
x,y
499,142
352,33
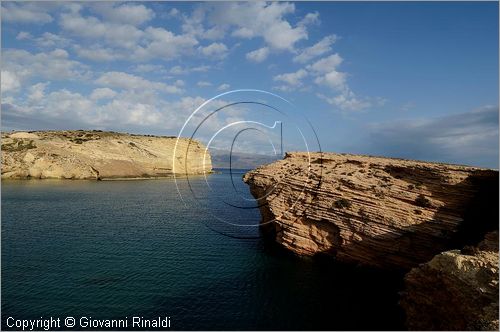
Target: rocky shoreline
x,y
98,155
391,214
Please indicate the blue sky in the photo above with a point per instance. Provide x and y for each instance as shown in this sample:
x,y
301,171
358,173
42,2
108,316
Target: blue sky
x,y
415,80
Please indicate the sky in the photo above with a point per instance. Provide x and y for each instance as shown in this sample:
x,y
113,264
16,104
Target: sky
x,y
414,80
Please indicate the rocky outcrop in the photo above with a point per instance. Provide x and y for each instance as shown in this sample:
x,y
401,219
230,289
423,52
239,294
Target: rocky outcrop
x,y
98,155
456,290
381,212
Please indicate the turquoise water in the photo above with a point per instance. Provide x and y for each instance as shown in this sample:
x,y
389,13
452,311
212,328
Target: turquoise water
x,y
112,249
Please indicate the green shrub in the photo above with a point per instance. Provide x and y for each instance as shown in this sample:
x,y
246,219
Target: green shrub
x,y
422,201
342,203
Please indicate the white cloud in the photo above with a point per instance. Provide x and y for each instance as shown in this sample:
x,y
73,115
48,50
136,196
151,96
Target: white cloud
x,y
126,13
97,53
174,12
347,101
258,55
194,25
54,65
128,110
214,50
333,79
50,40
203,84
166,45
318,49
120,35
46,40
147,68
23,35
28,12
310,18
259,19
178,70
37,92
102,93
326,68
223,87
292,79
327,64
10,81
131,82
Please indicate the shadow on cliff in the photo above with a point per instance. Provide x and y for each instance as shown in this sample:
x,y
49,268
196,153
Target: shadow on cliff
x,y
458,223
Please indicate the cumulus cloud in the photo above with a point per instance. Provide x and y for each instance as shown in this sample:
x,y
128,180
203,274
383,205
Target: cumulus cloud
x,y
102,93
465,138
333,79
164,44
127,13
214,50
123,80
27,12
23,35
310,18
195,25
347,101
326,64
46,40
322,47
120,35
37,92
223,87
258,55
10,81
125,110
50,40
54,65
203,84
292,79
179,70
97,53
259,19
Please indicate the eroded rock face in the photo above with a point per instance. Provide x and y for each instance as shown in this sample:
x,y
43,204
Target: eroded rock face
x,y
456,290
380,212
98,155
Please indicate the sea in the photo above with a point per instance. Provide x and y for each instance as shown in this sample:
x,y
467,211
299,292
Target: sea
x,y
188,249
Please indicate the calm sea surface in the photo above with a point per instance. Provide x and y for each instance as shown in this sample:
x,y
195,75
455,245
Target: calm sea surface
x,y
115,249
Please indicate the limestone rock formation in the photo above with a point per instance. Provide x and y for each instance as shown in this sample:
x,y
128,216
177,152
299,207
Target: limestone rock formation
x,y
456,290
382,212
98,155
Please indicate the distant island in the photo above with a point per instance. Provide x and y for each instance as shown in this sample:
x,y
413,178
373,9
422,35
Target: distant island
x,y
100,155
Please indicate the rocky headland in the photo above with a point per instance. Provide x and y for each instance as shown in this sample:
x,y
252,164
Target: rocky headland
x,y
98,155
420,218
456,290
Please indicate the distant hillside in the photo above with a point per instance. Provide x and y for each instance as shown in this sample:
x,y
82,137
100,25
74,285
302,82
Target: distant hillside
x,y
78,154
239,160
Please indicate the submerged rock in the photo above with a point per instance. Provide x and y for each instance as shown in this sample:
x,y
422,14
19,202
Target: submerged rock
x,y
456,290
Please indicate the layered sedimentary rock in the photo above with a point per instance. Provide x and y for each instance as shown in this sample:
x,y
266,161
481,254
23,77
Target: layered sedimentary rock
x,y
456,290
98,155
381,212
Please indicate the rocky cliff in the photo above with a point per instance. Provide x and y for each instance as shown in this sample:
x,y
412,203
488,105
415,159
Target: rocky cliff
x,y
456,290
373,211
98,155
